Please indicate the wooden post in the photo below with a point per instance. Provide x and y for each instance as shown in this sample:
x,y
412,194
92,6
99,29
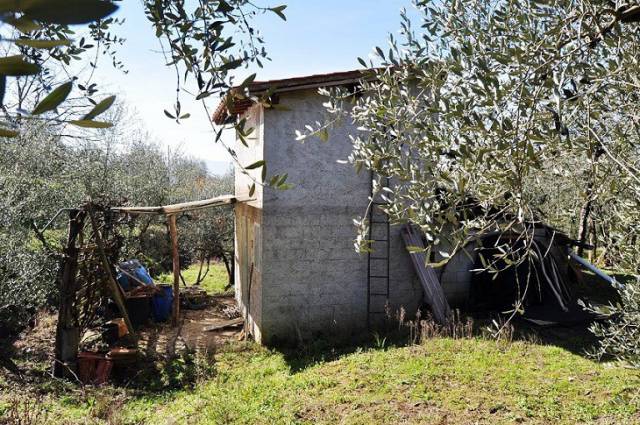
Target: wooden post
x,y
173,230
67,332
111,281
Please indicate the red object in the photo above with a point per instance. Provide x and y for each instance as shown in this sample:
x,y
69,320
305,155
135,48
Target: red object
x,y
94,368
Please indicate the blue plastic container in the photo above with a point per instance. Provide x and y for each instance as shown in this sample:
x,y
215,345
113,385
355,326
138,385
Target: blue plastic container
x,y
123,281
143,275
161,304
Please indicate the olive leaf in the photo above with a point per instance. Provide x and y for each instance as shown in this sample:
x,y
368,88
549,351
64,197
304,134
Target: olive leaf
x,y
42,44
53,99
67,12
91,124
16,66
101,107
278,11
323,134
4,132
255,165
23,24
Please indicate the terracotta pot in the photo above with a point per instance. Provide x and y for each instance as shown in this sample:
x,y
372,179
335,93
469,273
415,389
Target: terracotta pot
x,y
94,368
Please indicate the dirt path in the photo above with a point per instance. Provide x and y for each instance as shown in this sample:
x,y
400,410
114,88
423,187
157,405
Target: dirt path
x,y
164,340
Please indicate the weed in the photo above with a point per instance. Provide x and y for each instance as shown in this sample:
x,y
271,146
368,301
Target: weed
x,y
421,330
23,411
185,370
107,408
380,342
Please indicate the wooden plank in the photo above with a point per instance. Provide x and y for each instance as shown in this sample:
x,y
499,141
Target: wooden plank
x,y
226,324
185,206
173,230
433,293
111,281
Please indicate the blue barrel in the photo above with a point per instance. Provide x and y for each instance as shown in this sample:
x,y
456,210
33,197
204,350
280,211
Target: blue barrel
x,y
161,304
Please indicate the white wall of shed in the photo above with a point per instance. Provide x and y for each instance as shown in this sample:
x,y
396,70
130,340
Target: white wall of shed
x,y
250,154
313,281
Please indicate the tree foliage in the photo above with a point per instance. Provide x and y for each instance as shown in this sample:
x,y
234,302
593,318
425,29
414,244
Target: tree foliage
x,y
496,116
204,41
42,52
619,337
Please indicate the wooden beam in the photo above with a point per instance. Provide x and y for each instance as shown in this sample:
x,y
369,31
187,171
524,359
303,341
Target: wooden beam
x,y
433,293
183,207
173,230
111,281
67,332
225,324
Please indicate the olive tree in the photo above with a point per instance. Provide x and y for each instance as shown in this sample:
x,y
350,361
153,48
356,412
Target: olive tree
x,y
494,116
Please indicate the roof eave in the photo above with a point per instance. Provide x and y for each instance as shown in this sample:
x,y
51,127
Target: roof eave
x,y
223,115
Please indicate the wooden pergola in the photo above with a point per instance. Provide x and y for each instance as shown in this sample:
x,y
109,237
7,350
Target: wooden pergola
x,y
171,212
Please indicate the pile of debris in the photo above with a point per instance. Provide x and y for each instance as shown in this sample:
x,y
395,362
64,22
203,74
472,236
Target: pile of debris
x,y
531,274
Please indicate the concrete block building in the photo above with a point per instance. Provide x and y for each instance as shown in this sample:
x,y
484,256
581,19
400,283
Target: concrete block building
x,y
298,274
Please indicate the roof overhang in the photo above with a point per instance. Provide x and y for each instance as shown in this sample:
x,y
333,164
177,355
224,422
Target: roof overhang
x,y
236,103
183,207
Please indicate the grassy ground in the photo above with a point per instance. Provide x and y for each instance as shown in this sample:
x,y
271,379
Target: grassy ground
x,y
214,283
440,381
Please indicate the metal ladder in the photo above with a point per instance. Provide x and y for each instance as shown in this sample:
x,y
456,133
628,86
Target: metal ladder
x,y
378,257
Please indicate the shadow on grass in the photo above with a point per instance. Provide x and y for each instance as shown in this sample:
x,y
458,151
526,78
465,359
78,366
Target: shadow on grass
x,y
575,338
321,349
568,330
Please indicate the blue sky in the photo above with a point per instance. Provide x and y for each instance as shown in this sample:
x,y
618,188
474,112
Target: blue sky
x,y
319,36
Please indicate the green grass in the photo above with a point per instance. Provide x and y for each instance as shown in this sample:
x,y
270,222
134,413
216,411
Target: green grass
x,y
441,381
214,283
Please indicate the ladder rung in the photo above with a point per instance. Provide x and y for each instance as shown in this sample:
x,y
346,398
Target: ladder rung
x,y
378,277
380,240
379,222
379,258
379,294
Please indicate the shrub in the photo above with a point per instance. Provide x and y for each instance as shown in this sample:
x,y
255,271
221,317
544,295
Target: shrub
x,y
27,282
620,335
